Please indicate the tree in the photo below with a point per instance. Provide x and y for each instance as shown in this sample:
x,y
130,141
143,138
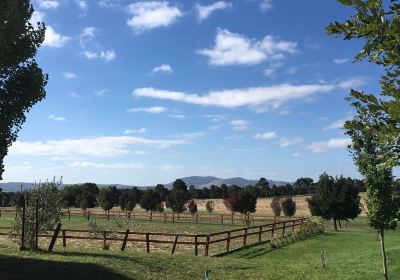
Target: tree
x,y
247,200
303,186
289,207
151,201
107,198
162,191
335,199
210,206
192,206
127,199
375,129
231,202
276,206
263,187
178,197
22,82
44,199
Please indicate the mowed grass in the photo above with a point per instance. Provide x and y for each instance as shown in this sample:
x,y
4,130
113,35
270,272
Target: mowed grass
x,y
352,253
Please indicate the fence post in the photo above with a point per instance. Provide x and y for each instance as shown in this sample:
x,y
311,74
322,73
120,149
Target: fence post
x,y
108,215
54,238
165,218
151,216
228,241
134,215
173,217
148,242
293,225
259,234
129,215
222,219
196,249
232,218
197,218
88,215
273,230
125,240
245,237
69,214
178,216
207,245
64,239
175,241
283,229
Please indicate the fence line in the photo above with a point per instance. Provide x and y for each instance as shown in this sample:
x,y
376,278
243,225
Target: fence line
x,y
169,216
224,239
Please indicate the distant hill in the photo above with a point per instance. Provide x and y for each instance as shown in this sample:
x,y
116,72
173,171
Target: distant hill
x,y
197,181
207,181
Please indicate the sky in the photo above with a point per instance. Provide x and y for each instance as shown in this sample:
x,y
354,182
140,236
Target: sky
x,y
144,92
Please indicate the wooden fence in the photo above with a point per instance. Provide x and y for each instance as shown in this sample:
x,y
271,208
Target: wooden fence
x,y
210,244
169,216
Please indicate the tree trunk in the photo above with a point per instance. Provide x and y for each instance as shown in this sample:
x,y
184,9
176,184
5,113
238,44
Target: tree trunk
x,y
381,235
340,224
334,224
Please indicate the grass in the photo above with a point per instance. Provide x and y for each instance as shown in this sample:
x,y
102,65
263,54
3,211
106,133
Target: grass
x,y
352,253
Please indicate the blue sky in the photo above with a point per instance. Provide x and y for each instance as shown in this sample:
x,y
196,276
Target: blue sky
x,y
142,92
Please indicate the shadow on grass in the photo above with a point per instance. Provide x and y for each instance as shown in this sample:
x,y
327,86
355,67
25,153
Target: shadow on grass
x,y
262,249
14,268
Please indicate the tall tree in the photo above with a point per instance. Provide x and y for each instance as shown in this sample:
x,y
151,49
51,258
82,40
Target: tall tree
x,y
178,197
22,82
150,200
262,187
375,128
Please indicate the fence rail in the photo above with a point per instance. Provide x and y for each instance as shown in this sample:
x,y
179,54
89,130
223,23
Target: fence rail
x,y
168,216
211,243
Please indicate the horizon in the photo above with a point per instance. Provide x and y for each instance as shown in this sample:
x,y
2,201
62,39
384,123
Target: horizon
x,y
141,99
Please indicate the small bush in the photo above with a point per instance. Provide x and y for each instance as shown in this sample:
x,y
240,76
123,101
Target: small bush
x,y
192,206
289,207
210,206
276,206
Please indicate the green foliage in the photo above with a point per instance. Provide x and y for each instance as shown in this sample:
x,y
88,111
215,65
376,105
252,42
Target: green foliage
x,y
81,195
247,201
192,206
22,82
276,206
107,198
178,197
335,198
304,186
289,207
262,187
151,201
48,199
127,199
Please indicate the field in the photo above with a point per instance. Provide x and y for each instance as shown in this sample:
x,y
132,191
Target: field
x,y
352,253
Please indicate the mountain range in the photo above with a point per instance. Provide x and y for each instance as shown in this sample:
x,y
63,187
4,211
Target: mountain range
x,y
197,181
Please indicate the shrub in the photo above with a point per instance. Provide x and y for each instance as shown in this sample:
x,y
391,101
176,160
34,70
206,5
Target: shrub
x,y
210,206
289,207
150,200
192,206
47,198
276,206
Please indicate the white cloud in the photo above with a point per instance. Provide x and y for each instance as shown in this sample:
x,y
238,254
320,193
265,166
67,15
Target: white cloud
x,y
163,68
90,54
167,167
53,39
341,60
74,94
215,118
292,70
98,147
178,116
101,92
87,36
239,124
270,70
352,82
272,96
37,16
134,131
233,49
108,55
94,165
336,124
204,12
48,4
285,142
57,118
265,5
295,155
82,5
266,136
152,14
214,127
153,110
69,75
323,146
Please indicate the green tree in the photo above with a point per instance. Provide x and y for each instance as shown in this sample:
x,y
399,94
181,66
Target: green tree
x,y
247,200
178,196
107,198
335,199
210,206
262,187
151,200
289,207
303,186
22,82
375,129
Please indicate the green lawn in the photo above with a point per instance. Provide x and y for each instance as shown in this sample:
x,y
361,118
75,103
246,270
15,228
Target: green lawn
x,y
352,253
